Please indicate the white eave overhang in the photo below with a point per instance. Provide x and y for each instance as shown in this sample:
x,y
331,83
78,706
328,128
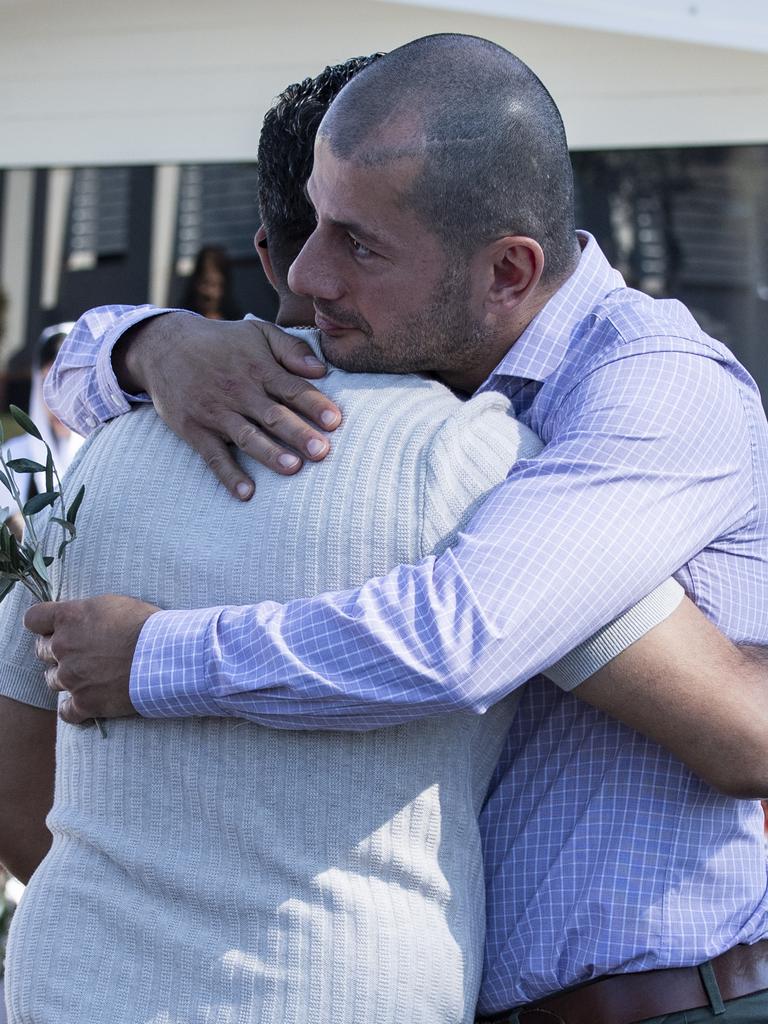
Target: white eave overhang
x,y
734,24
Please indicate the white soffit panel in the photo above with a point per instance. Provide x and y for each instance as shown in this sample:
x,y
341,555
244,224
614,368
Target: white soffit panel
x,y
739,24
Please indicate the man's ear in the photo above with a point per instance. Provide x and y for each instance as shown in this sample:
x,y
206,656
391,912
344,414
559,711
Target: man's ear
x,y
516,264
262,248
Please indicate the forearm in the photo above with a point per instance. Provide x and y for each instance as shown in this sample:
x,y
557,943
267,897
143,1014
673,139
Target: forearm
x,y
27,756
284,668
687,687
24,845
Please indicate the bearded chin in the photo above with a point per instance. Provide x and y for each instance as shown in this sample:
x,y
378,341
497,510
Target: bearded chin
x,y
440,339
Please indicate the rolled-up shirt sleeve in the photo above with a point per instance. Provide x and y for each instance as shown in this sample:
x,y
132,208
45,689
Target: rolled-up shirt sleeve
x,y
81,388
636,478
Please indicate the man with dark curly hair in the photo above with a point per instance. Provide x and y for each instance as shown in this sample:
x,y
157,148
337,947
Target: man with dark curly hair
x,y
285,162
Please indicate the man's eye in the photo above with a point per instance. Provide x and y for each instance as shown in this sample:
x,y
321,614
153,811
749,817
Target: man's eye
x,y
358,248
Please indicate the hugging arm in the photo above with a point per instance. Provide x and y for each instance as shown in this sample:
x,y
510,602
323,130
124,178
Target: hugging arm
x,y
681,683
27,743
27,758
253,391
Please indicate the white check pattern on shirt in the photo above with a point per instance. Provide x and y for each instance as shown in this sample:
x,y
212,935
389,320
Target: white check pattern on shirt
x,y
602,853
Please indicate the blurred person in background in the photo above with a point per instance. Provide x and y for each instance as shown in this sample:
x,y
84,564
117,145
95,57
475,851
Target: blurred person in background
x,y
209,291
59,438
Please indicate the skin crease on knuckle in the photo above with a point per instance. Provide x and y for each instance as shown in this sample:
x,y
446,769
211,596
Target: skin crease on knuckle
x,y
273,417
258,371
67,712
273,380
292,389
65,678
246,436
215,459
229,386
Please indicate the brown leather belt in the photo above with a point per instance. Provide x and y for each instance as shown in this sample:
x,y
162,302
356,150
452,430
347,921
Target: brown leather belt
x,y
629,998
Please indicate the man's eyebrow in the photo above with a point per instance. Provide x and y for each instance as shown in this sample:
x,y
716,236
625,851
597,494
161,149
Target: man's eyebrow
x,y
363,234
351,226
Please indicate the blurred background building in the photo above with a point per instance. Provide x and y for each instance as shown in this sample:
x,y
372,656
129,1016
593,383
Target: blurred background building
x,y
128,134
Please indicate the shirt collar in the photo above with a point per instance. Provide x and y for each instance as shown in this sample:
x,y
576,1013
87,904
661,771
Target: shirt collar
x,y
542,346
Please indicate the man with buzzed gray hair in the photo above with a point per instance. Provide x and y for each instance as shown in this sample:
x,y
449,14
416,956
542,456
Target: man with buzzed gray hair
x,y
619,888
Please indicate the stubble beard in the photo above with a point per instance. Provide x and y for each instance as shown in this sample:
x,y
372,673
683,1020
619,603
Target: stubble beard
x,y
443,339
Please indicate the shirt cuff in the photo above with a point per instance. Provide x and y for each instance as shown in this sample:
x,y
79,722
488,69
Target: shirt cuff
x,y
611,640
116,401
168,673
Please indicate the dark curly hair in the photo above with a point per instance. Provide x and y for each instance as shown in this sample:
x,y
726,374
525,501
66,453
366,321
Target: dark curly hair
x,y
286,148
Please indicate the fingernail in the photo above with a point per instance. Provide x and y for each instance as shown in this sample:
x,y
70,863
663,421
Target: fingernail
x,y
288,461
243,490
312,361
314,447
328,418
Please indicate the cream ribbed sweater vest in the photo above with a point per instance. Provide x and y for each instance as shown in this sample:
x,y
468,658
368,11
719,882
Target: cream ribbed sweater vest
x,y
217,871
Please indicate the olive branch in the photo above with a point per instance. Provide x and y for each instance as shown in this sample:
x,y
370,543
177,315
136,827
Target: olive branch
x,y
26,562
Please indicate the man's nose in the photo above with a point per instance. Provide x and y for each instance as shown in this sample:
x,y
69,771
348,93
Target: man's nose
x,y
312,272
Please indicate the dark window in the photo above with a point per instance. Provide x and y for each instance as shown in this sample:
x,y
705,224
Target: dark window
x,y
99,215
690,224
217,206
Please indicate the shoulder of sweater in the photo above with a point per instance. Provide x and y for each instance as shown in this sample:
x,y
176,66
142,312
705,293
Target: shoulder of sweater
x,y
469,455
484,426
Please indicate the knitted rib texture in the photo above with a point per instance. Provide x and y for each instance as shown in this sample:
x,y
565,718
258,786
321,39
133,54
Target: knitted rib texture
x,y
208,870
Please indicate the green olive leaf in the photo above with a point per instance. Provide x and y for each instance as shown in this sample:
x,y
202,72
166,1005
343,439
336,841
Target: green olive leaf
x,y
49,468
38,564
25,466
24,561
13,547
39,502
75,506
24,421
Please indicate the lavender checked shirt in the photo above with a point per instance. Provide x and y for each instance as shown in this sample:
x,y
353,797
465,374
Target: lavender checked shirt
x,y
603,854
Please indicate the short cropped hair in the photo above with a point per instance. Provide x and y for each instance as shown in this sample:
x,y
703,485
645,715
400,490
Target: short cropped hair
x,y
495,154
286,148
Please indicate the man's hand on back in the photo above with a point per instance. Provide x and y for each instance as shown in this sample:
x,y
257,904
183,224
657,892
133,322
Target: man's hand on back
x,y
220,382
87,648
